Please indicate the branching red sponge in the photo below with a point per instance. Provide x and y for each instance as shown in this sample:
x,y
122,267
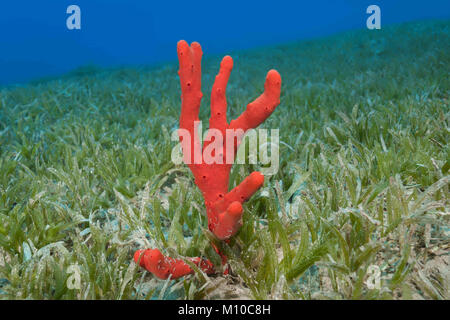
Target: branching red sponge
x,y
162,267
224,209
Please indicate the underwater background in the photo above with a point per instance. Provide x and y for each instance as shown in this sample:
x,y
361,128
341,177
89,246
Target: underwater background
x,y
35,42
86,176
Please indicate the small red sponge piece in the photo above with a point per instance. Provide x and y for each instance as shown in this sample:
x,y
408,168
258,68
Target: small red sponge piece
x,y
162,267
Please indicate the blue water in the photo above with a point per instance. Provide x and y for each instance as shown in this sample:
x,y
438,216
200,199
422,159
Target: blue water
x,y
35,42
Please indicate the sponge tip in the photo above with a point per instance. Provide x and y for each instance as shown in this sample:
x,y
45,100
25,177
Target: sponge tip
x,y
256,179
139,254
235,209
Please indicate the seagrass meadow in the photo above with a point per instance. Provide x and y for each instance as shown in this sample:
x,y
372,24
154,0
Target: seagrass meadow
x,y
359,208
